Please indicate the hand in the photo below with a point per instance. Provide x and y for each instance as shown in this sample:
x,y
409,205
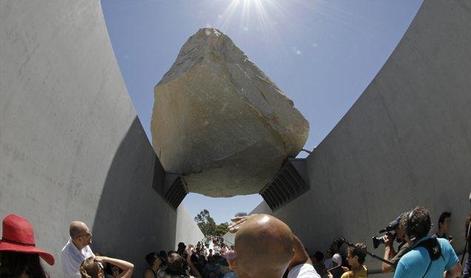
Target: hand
x,y
388,240
330,274
236,222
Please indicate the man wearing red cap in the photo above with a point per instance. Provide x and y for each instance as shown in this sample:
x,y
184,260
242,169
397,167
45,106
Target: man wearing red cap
x,y
77,249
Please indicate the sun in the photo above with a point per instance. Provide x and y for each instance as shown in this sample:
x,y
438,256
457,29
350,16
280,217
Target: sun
x,y
250,13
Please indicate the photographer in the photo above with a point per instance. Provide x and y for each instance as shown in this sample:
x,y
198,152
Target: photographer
x,y
428,256
389,253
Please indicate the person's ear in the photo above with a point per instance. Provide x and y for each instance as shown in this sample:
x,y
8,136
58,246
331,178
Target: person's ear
x,y
357,259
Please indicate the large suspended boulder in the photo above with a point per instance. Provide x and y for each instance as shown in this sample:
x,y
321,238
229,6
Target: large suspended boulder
x,y
220,122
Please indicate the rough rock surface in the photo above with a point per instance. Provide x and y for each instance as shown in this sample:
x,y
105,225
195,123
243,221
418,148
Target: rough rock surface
x,y
220,122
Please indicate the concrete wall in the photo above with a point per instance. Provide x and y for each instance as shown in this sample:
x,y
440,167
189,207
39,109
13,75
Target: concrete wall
x,y
187,229
71,146
405,142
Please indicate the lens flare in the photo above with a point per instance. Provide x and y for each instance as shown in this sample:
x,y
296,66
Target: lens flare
x,y
251,14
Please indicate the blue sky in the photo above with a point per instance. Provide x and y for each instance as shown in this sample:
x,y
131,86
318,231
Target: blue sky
x,y
321,53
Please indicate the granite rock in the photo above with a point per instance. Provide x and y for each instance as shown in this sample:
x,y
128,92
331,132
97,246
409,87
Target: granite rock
x,y
220,122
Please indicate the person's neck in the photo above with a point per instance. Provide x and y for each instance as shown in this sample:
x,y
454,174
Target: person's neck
x,y
356,268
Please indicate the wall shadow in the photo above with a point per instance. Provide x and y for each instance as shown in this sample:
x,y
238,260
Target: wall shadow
x,y
132,219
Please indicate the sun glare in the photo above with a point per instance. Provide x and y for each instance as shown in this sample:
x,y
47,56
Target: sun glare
x,y
259,14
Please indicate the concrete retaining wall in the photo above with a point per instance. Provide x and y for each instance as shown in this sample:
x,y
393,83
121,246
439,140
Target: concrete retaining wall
x,y
405,142
71,146
187,229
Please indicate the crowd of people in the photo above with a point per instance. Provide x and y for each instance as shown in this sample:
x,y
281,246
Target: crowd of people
x,y
206,259
418,254
264,247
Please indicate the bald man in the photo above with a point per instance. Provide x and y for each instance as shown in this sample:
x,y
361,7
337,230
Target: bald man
x,y
266,247
77,249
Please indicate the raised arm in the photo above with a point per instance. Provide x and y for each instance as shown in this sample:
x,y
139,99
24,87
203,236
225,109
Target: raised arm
x,y
389,253
125,266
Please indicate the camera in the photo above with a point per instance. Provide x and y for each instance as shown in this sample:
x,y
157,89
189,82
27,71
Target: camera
x,y
378,240
390,231
342,240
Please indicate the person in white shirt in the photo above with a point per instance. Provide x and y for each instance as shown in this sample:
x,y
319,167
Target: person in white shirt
x,y
77,249
266,247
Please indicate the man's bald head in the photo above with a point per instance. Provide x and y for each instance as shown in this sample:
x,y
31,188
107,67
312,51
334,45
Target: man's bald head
x,y
77,228
264,245
80,234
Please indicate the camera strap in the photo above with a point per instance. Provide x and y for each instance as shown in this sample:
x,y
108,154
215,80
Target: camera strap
x,y
433,249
